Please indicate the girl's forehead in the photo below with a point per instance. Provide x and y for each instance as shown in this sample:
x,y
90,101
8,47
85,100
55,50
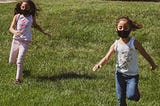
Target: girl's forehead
x,y
25,3
122,22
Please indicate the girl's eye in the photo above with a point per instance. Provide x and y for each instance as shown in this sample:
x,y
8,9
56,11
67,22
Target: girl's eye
x,y
126,28
119,27
22,7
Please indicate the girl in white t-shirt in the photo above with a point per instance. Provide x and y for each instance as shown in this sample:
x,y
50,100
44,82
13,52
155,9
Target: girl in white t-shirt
x,y
24,18
127,64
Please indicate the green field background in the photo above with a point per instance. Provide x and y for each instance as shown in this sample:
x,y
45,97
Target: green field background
x,y
58,71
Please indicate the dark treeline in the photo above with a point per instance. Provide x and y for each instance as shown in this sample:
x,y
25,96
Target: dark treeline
x,y
136,0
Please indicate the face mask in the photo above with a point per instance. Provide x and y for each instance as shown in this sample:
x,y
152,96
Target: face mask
x,y
25,12
123,34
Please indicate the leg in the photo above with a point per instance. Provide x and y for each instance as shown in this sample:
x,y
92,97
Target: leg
x,y
22,51
132,88
14,52
121,89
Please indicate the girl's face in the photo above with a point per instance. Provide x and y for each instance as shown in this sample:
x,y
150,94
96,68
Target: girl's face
x,y
123,28
25,6
123,25
25,9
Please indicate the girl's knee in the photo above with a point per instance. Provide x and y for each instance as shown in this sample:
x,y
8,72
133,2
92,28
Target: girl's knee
x,y
135,97
130,97
12,62
19,61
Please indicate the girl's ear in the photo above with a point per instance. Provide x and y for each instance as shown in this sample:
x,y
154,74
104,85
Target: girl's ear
x,y
116,29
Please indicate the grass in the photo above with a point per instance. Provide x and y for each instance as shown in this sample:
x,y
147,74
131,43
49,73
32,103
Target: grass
x,y
57,72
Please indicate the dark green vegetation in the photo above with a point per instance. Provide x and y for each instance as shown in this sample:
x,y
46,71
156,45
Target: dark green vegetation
x,y
58,72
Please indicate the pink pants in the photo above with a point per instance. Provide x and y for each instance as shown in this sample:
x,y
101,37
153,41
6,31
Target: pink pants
x,y
17,54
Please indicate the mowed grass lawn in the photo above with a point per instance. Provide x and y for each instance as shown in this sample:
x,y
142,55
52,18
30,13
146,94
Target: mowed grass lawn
x,y
58,71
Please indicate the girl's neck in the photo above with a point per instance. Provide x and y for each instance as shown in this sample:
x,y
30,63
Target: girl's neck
x,y
125,40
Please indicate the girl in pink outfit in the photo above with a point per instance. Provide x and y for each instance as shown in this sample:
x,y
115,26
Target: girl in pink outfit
x,y
24,18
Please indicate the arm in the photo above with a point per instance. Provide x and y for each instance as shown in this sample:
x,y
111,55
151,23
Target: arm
x,y
12,28
140,48
35,25
105,58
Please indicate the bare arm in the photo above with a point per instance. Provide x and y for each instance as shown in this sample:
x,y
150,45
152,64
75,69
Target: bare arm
x,y
35,25
105,58
12,28
140,48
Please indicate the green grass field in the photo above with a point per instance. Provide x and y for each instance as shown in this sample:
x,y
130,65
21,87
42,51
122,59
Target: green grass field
x,y
58,71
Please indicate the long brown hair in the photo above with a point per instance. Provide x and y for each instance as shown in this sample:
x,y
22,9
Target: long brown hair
x,y
133,25
33,8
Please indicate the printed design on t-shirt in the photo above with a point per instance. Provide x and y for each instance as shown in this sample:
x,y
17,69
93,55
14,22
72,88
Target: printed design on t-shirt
x,y
124,58
23,24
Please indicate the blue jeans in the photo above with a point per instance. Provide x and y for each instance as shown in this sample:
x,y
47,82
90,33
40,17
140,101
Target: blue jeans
x,y
126,87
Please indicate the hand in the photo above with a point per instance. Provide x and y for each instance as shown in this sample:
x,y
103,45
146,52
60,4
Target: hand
x,y
96,67
18,33
154,67
49,35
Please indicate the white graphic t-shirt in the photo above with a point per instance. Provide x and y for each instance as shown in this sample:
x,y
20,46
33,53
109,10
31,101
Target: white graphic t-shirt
x,y
127,62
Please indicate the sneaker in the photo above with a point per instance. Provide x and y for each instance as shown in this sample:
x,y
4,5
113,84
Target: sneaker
x,y
18,81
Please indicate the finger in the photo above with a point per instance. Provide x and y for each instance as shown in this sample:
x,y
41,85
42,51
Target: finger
x,y
94,69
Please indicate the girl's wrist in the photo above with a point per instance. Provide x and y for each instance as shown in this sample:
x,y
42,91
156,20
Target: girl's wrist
x,y
15,32
99,65
153,64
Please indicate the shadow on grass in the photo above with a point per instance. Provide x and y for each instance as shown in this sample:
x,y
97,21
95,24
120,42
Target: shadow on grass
x,y
26,73
70,75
